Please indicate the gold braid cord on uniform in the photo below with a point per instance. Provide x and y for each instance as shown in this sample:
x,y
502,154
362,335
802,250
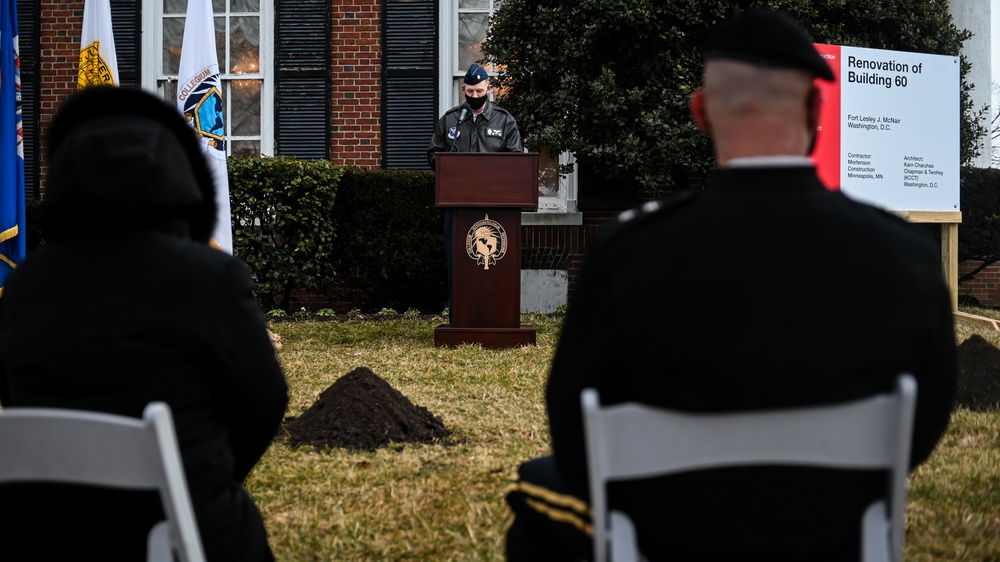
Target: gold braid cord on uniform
x,y
562,508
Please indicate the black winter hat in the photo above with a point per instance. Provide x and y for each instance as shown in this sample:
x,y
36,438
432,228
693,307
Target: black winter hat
x,y
766,38
122,159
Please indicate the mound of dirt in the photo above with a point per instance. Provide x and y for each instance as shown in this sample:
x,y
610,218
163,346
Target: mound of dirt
x,y
978,375
363,412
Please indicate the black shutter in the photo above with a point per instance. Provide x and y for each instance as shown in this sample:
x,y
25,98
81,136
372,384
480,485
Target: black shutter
x,y
302,86
126,22
28,53
409,59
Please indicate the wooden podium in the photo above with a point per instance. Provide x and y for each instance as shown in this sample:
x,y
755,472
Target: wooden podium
x,y
486,192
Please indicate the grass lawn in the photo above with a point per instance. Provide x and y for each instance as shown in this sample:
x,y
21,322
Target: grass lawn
x,y
444,502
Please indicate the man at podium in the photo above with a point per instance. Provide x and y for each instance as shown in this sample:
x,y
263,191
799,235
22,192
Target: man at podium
x,y
477,125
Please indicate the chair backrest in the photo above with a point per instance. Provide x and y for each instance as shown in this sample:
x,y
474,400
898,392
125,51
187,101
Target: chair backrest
x,y
630,440
79,447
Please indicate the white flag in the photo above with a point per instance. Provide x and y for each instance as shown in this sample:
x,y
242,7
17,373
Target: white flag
x,y
98,60
199,99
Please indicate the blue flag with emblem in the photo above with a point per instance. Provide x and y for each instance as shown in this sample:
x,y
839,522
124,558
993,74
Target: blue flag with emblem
x,y
199,98
12,231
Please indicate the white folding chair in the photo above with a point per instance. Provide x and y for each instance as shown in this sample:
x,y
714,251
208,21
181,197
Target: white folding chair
x,y
631,441
78,447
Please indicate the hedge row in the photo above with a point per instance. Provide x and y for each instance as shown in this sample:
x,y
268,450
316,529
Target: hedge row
x,y
390,239
979,233
318,228
315,228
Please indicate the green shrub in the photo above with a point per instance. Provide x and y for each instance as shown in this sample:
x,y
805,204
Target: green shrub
x,y
979,233
282,226
390,239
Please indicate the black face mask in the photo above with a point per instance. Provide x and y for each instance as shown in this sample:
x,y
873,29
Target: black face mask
x,y
476,103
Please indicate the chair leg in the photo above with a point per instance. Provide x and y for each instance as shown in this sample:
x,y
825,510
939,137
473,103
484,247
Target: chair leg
x,y
875,534
624,545
158,544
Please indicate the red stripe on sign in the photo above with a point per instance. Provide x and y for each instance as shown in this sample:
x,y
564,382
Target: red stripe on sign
x,y
826,155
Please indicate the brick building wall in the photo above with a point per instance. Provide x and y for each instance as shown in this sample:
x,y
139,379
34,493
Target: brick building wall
x,y
356,110
561,247
985,287
59,42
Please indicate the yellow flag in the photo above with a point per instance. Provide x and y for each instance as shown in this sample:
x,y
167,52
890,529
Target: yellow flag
x,y
98,60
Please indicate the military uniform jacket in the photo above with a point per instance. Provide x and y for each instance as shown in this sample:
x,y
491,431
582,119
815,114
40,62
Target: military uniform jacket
x,y
493,130
766,290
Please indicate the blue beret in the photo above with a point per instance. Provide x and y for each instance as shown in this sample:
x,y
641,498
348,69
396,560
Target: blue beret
x,y
766,38
475,75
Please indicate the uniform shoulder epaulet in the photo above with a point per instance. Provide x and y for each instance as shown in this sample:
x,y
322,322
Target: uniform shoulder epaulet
x,y
637,215
655,207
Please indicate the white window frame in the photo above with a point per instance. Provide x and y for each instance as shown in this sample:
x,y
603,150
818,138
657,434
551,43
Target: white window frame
x,y
153,78
552,210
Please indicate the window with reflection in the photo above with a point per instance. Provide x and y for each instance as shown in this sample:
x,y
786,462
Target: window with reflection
x,y
238,32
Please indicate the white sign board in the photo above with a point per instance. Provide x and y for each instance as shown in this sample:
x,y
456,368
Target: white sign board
x,y
888,132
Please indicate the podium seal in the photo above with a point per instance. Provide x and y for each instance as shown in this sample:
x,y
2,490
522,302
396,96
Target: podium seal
x,y
486,242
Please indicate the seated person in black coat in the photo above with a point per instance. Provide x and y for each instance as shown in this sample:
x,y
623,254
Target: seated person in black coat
x,y
126,304
766,290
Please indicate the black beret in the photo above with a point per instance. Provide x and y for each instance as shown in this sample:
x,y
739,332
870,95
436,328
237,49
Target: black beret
x,y
475,75
766,38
